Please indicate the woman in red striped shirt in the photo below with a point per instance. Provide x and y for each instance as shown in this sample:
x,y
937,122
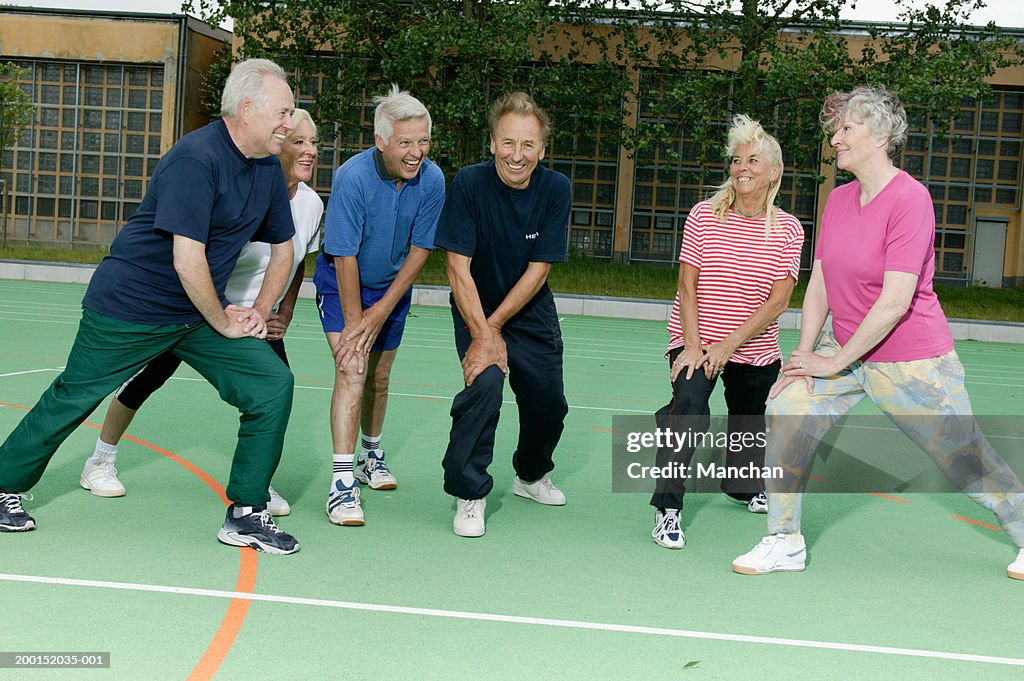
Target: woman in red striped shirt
x,y
738,264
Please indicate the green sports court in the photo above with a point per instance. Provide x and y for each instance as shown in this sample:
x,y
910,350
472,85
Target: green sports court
x,y
909,588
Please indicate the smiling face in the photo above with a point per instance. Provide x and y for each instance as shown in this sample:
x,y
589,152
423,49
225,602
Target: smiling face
x,y
406,149
298,155
268,124
517,147
855,145
752,175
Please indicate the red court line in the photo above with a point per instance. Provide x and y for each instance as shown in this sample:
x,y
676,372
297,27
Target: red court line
x,y
886,496
606,430
978,522
234,618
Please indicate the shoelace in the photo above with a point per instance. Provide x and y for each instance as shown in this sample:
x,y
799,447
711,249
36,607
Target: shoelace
x,y
669,523
472,508
12,502
767,543
348,498
267,521
375,465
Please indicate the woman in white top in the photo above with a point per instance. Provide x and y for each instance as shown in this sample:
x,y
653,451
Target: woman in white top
x,y
298,160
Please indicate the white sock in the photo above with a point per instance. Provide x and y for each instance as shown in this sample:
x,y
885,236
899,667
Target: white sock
x,y
370,444
343,470
238,511
102,452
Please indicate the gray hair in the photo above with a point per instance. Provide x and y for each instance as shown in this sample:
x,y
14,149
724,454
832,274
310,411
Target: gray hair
x,y
246,82
745,130
298,116
397,105
875,106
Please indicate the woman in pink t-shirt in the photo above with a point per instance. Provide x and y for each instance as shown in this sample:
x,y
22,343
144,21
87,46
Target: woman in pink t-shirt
x,y
873,270
738,263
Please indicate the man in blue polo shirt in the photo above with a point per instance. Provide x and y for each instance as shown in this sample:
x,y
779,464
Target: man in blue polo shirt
x,y
162,289
504,223
378,232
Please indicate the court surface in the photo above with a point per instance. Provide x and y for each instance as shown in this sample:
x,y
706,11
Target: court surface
x,y
910,588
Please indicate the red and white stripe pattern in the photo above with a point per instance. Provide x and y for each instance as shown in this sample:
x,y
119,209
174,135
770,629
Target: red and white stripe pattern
x,y
738,266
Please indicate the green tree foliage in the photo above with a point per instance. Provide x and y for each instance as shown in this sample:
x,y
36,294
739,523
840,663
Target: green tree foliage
x,y
777,59
15,106
689,63
452,55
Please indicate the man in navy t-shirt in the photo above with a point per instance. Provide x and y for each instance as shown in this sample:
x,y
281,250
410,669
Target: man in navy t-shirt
x,y
162,289
503,224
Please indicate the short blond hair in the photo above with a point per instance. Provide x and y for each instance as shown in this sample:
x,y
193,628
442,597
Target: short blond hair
x,y
745,130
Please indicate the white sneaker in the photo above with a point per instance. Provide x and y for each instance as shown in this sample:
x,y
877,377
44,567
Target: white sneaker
x,y
542,491
775,553
758,504
1016,569
343,506
277,505
374,473
469,517
101,478
667,531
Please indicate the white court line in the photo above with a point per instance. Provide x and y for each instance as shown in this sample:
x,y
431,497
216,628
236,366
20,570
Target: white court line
x,y
616,410
21,373
447,398
517,619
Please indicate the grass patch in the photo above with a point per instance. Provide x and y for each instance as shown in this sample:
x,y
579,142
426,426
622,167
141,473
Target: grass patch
x,y
89,256
586,276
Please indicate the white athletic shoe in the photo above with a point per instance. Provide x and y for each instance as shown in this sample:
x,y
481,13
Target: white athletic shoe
x,y
374,473
343,507
277,505
1016,569
775,553
667,531
101,478
542,491
469,517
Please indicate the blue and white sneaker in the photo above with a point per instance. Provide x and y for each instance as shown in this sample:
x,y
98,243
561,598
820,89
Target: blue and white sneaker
x,y
13,517
667,531
343,506
758,504
374,473
256,530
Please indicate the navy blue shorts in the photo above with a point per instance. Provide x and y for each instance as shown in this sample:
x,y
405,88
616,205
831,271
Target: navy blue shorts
x,y
390,336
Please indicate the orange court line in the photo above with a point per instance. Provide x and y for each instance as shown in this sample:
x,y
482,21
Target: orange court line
x,y
195,470
233,620
886,496
978,522
606,430
248,565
